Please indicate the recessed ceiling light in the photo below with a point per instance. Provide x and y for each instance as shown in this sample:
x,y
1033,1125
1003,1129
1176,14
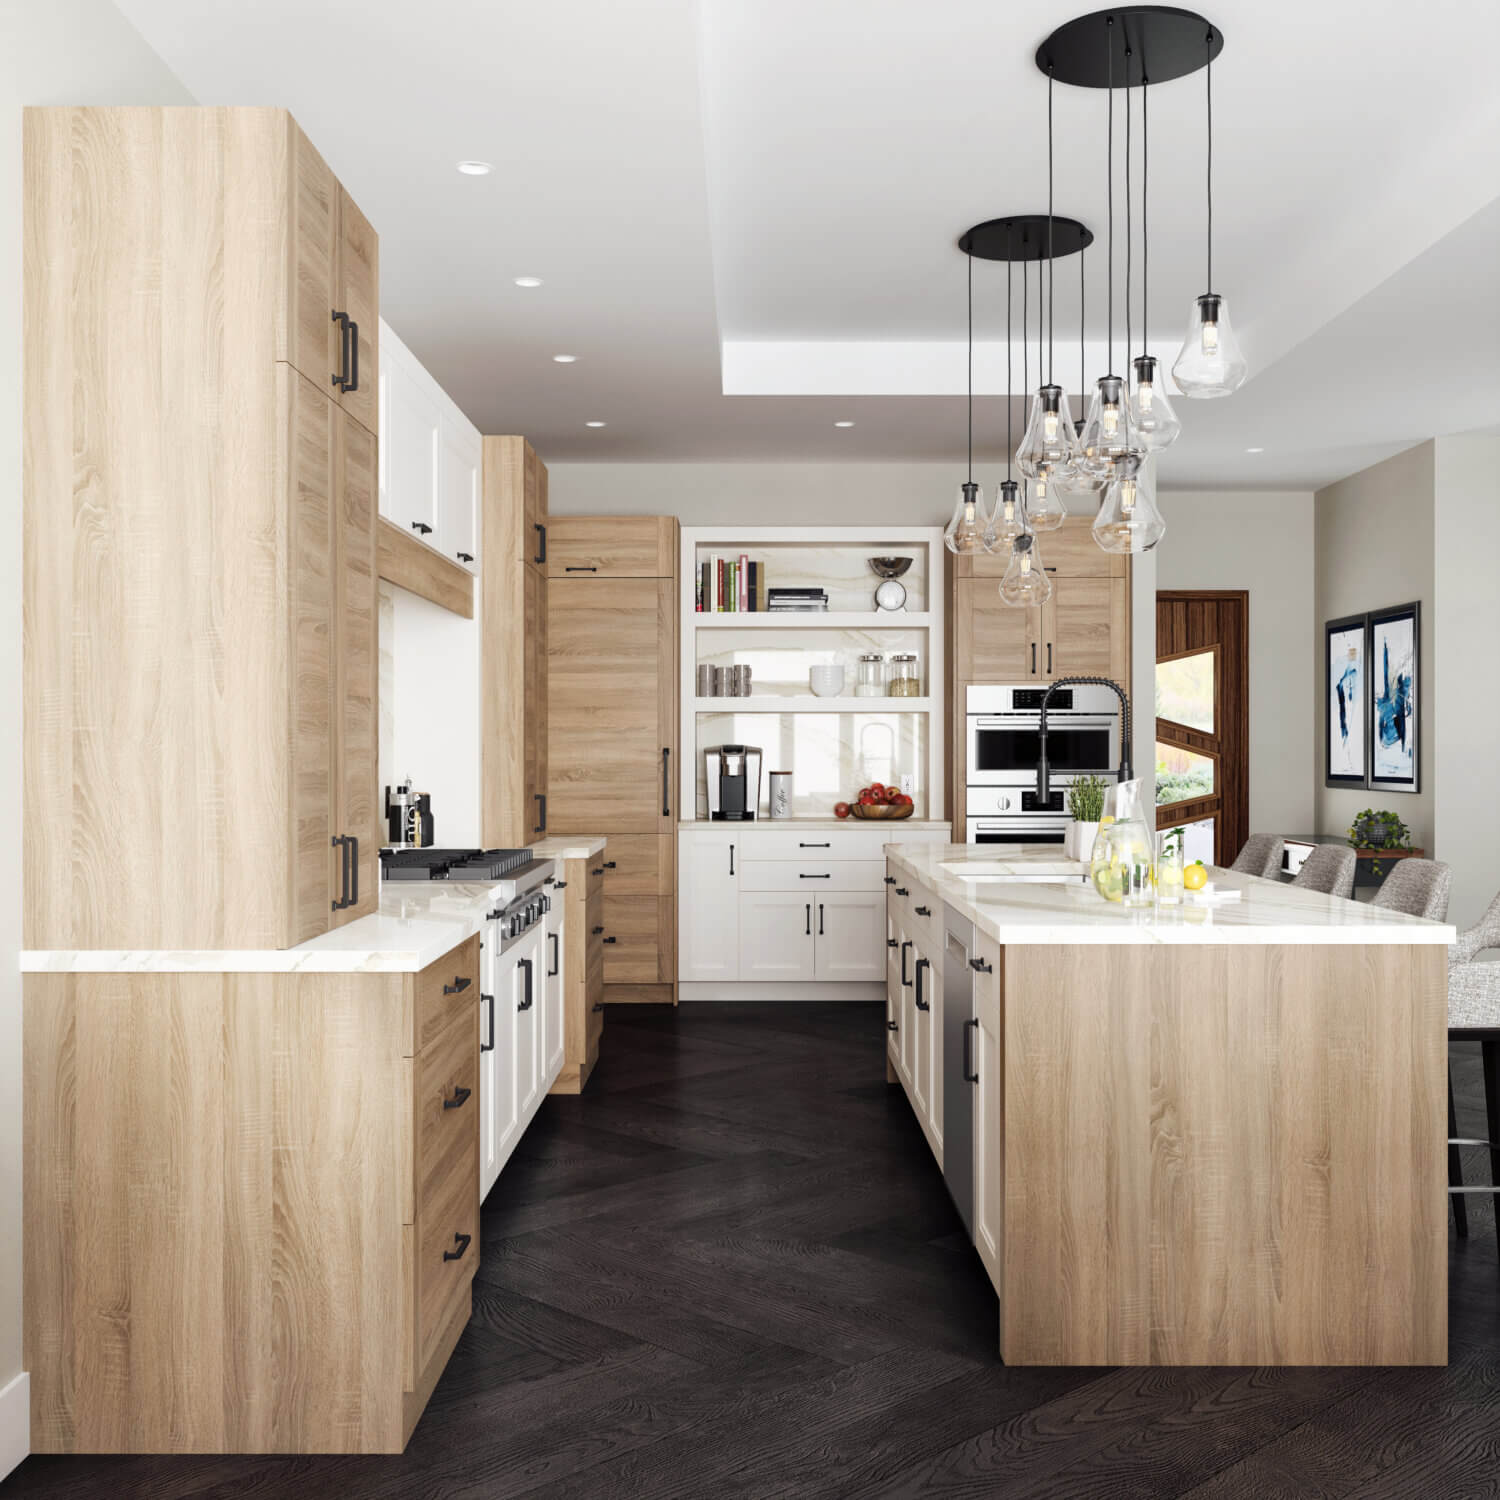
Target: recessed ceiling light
x,y
528,280
843,424
564,359
475,168
594,424
1255,450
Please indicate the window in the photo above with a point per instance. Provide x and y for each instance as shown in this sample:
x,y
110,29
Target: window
x,y
1187,690
1183,775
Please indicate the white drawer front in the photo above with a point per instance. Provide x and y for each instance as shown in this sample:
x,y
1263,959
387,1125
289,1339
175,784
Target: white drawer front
x,y
813,875
763,840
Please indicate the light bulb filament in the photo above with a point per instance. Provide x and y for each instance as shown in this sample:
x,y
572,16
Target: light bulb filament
x,y
1146,394
1049,425
1210,337
1110,420
1025,562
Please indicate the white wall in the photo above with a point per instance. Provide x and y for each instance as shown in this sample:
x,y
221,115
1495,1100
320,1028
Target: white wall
x,y
1261,542
56,52
1462,742
1374,548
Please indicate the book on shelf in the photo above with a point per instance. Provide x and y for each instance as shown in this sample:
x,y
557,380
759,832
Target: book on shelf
x,y
727,585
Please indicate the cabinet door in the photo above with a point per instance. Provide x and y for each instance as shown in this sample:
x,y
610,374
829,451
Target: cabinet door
x,y
850,929
458,492
988,1058
611,669
611,547
312,337
358,295
708,917
1086,629
554,990
637,875
989,636
501,1114
308,420
409,447
534,750
922,976
776,935
907,956
528,984
534,510
489,1134
356,666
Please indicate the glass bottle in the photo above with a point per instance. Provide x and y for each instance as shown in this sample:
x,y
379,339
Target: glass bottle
x,y
1120,866
871,679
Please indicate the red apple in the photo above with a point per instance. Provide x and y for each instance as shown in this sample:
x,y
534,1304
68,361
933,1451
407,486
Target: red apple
x,y
841,809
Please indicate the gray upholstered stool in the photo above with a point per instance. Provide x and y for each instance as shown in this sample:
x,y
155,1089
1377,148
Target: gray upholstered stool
x,y
1329,869
1419,887
1474,1014
1260,856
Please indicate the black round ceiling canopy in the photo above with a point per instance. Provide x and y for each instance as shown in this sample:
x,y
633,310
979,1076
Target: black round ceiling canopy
x,y
1130,45
1024,237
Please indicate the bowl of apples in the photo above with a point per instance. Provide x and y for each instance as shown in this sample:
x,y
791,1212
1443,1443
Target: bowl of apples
x,y
877,801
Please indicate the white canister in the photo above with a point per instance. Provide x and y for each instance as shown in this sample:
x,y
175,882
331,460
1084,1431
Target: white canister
x,y
781,794
1078,841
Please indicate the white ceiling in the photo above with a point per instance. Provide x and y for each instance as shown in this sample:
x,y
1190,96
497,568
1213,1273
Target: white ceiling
x,y
763,176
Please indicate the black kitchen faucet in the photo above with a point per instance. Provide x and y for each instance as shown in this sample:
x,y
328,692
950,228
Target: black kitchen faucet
x,y
1127,770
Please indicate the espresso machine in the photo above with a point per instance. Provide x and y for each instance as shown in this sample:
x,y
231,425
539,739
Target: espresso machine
x,y
733,776
408,817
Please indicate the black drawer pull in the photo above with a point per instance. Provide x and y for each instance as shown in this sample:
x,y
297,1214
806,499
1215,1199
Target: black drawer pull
x,y
598,871
891,1026
901,890
968,1076
599,1005
922,1004
666,781
820,920
459,1099
815,877
421,527
556,968
815,846
890,880
890,942
353,384
341,380
464,556
611,940
561,885
459,985
923,911
979,966
571,569
462,1242
489,1046
525,963
808,933
905,979
609,864
541,813
597,931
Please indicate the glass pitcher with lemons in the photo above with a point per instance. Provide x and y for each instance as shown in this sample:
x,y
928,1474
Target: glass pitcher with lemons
x,y
1122,860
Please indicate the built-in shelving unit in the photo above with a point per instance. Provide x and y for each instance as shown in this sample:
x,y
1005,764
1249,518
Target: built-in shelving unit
x,y
831,745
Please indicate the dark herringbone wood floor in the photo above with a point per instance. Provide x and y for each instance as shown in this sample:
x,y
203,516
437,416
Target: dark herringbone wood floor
x,y
732,1269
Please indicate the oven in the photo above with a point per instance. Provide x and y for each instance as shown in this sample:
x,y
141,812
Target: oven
x,y
1013,815
1004,734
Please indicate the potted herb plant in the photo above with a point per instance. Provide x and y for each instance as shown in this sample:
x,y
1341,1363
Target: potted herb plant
x,y
1373,830
1085,807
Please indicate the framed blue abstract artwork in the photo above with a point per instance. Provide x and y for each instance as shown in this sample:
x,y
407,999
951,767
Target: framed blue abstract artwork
x,y
1395,720
1346,706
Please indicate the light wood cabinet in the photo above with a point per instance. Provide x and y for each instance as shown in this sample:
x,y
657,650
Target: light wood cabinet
x,y
515,806
1085,630
285,1198
198,535
583,970
612,547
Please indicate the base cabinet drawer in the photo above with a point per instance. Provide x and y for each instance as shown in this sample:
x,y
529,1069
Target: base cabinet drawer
x,y
447,1085
813,875
446,991
447,1251
631,938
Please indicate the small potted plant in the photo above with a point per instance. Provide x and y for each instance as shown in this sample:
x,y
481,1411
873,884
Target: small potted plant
x,y
1379,830
1085,806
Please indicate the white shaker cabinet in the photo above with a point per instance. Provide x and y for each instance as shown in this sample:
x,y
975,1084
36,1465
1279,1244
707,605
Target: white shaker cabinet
x,y
776,935
708,905
460,466
850,931
499,1101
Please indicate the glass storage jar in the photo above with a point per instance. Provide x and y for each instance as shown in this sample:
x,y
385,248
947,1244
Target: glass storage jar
x,y
906,681
871,681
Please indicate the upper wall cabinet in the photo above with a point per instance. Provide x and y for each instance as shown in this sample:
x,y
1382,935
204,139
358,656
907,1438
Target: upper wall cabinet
x,y
431,457
198,534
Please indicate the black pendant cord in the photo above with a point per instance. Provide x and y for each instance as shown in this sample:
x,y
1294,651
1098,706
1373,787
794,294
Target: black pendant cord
x,y
1009,266
1208,80
1109,182
1083,307
1051,263
1025,325
1129,237
970,259
1145,224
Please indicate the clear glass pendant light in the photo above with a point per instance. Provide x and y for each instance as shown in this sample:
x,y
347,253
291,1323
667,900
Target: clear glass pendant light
x,y
1210,363
1129,520
1044,507
968,531
1107,433
1009,519
1026,584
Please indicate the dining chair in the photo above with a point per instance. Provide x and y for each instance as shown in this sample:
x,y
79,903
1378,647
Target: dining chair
x,y
1260,856
1329,868
1474,1014
1419,887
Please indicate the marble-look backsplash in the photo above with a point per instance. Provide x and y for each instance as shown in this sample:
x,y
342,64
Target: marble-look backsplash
x,y
829,755
845,573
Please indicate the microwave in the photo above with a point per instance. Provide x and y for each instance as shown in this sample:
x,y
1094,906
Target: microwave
x,y
1004,734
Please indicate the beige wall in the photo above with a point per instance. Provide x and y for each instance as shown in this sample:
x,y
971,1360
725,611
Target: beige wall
x,y
1374,549
1463,739
1261,542
57,52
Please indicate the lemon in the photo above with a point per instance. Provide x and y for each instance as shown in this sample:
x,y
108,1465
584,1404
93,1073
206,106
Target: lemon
x,y
1109,881
1195,877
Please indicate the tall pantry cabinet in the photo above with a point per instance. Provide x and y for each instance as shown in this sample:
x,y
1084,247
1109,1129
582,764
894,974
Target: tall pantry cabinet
x,y
200,372
612,730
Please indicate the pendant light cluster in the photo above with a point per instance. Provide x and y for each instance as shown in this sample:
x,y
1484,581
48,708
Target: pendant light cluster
x,y
1111,451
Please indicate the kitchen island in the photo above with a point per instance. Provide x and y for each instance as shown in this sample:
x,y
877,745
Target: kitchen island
x,y
1214,1136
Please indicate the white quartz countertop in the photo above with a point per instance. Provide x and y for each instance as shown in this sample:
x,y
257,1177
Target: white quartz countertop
x,y
569,846
416,924
1003,904
792,825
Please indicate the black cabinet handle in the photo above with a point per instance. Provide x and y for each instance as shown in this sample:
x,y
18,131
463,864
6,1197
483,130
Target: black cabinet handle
x,y
891,1026
923,911
968,1076
341,378
1049,658
489,1046
890,880
814,877
901,890
905,977
462,1242
597,931
611,940
731,859
525,963
599,1005
571,569
465,556
808,909
459,1099
561,885
890,942
979,966
354,867
541,543
354,357
922,1004
1033,658
556,968
459,985
597,870
815,846
421,527
340,842
608,864
541,797
820,919
666,790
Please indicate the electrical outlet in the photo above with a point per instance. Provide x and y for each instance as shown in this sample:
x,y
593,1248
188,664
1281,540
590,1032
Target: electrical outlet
x,y
908,783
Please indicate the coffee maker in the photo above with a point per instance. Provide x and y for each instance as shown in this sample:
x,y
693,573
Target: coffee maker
x,y
408,817
733,776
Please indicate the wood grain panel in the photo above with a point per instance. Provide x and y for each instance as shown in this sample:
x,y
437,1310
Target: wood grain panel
x,y
535,745
359,296
990,637
612,547
1087,624
434,1010
403,560
308,338
446,1134
1068,552
582,978
1260,1182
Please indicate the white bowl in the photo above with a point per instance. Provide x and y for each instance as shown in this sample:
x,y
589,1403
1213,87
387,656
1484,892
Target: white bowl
x,y
826,682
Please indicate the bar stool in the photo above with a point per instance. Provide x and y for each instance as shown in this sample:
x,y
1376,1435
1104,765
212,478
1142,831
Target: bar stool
x,y
1474,1015
1419,887
1330,869
1260,856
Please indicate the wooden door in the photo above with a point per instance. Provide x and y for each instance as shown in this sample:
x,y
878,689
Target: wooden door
x,y
534,735
709,922
1085,630
534,509
850,928
356,717
309,421
1202,646
990,640
610,703
311,343
776,935
358,295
